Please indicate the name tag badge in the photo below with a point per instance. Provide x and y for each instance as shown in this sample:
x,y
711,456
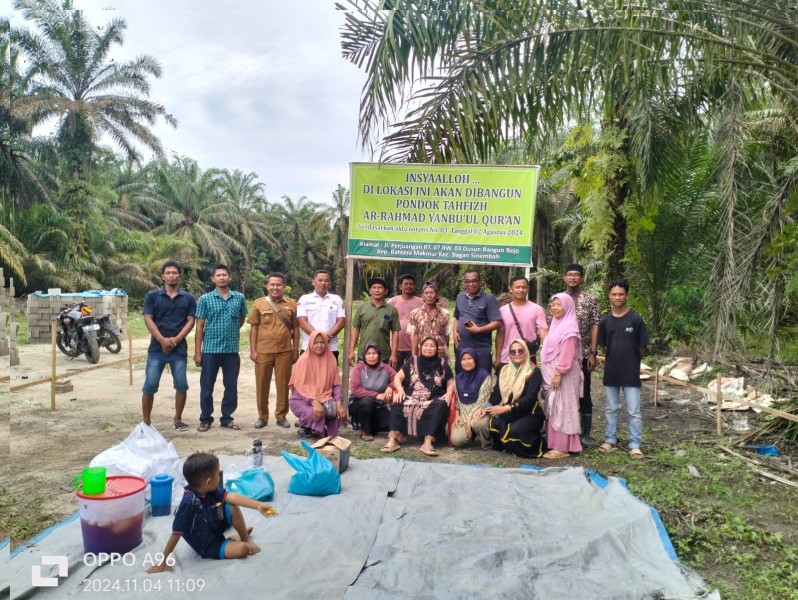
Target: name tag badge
x,y
630,330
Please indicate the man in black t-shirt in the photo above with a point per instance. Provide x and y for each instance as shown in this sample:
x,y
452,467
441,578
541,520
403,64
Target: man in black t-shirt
x,y
623,335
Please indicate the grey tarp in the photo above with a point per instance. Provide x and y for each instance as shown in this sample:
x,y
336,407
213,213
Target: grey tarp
x,y
407,530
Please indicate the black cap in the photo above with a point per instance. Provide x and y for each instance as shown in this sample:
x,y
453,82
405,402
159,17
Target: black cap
x,y
378,280
575,267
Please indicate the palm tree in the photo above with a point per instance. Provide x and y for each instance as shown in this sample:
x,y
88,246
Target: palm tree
x,y
90,94
339,240
185,201
304,230
470,76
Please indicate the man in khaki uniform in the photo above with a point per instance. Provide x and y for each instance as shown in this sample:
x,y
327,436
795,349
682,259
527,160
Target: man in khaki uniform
x,y
274,347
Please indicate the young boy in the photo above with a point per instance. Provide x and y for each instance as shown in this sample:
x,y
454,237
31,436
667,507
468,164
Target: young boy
x,y
624,337
206,512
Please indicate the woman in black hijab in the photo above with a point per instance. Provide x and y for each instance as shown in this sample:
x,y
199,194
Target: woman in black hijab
x,y
420,405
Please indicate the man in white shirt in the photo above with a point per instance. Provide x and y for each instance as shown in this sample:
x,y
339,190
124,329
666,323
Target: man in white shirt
x,y
321,311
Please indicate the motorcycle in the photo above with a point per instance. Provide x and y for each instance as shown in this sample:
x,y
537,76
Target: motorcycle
x,y
108,335
77,332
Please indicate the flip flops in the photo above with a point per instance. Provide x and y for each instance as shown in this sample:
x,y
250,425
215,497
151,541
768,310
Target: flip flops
x,y
390,446
606,447
636,453
556,455
180,426
203,427
427,451
366,437
231,425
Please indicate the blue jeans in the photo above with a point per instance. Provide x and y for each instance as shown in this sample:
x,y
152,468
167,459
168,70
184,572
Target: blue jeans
x,y
230,363
156,361
631,396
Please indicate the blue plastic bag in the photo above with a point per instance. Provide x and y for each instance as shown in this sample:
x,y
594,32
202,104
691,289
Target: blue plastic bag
x,y
315,475
252,483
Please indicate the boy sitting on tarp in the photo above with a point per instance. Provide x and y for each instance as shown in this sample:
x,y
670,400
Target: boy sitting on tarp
x,y
206,512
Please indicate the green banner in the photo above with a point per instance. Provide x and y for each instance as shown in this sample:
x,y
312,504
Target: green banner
x,y
443,213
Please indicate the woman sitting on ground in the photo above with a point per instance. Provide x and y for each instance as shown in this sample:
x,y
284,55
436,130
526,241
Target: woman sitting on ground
x,y
473,389
370,392
424,387
561,363
314,382
516,416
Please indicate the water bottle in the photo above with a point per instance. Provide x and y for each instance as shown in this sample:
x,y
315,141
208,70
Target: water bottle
x,y
257,454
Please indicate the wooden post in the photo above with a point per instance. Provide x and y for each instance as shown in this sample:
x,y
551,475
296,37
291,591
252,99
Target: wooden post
x,y
344,352
52,364
656,388
130,355
720,402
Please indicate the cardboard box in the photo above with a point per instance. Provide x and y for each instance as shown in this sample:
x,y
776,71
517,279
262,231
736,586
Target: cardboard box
x,y
336,450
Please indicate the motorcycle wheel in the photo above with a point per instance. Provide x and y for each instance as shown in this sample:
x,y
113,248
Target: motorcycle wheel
x,y
63,345
92,350
111,342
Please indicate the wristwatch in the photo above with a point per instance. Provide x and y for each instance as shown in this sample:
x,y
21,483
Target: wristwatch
x,y
592,353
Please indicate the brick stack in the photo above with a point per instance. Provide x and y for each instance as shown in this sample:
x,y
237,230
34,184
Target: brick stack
x,y
42,309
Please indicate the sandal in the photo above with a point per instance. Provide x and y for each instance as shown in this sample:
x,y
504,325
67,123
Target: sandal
x,y
366,437
636,453
180,426
556,454
606,447
428,451
232,425
203,427
390,446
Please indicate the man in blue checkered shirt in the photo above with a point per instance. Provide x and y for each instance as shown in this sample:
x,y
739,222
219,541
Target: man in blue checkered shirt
x,y
220,314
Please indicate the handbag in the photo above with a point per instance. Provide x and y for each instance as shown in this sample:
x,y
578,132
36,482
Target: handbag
x,y
531,346
330,409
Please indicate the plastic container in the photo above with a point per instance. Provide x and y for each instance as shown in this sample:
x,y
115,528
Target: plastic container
x,y
91,481
257,454
161,487
113,521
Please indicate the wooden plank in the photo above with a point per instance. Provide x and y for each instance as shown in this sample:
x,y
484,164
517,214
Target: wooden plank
x,y
53,328
776,478
28,384
753,461
718,417
767,409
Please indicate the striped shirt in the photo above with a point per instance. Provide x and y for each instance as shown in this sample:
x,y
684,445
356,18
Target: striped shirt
x,y
222,321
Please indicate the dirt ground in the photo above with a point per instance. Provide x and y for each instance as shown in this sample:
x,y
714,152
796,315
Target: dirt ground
x,y
49,447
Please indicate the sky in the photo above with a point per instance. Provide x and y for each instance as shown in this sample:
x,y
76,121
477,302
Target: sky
x,y
257,86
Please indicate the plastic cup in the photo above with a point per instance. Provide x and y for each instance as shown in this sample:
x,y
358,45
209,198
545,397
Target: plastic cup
x,y
91,480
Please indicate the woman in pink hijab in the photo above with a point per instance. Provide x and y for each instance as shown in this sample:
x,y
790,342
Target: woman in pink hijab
x,y
561,360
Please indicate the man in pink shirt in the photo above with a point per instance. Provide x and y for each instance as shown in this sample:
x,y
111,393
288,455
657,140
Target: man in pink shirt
x,y
523,313
405,303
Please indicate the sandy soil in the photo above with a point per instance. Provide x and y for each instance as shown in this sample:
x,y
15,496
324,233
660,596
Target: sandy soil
x,y
49,447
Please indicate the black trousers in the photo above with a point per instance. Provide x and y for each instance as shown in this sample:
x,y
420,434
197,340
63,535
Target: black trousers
x,y
372,414
432,421
586,401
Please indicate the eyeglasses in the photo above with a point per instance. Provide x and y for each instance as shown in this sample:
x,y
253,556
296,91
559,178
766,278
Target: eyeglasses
x,y
516,352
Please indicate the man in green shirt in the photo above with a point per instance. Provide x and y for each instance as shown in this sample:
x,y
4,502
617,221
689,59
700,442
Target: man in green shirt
x,y
378,322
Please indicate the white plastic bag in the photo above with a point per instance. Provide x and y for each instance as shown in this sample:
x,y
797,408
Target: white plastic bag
x,y
144,453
